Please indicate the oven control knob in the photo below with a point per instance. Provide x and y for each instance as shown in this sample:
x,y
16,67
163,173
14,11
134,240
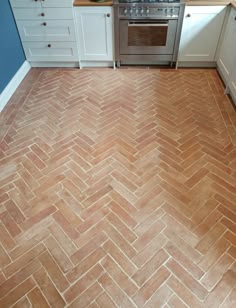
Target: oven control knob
x,y
147,11
130,11
136,11
141,11
125,11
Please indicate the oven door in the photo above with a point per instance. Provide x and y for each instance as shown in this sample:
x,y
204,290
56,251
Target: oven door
x,y
147,37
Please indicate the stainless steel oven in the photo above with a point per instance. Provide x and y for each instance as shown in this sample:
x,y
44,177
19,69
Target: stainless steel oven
x,y
147,31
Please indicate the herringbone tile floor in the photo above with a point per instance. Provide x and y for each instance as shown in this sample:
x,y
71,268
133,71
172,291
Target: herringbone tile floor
x,y
118,190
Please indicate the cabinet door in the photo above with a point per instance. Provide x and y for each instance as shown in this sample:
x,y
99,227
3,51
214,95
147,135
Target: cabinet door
x,y
200,33
95,33
227,54
232,83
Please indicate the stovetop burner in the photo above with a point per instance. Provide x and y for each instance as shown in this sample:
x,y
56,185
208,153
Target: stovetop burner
x,y
149,1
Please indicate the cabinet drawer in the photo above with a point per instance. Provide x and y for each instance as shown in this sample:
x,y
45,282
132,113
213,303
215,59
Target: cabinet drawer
x,y
50,51
43,3
26,3
101,10
205,10
54,30
43,13
57,3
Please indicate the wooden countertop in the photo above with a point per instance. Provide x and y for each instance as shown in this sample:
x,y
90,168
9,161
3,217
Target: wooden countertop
x,y
92,3
210,2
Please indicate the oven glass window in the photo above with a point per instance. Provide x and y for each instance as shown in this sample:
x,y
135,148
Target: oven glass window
x,y
147,34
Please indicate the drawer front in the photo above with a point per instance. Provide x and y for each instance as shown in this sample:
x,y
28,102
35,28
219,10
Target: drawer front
x,y
43,13
205,10
43,3
48,30
102,10
51,51
26,3
57,3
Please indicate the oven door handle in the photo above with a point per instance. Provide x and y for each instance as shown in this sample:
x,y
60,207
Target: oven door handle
x,y
140,24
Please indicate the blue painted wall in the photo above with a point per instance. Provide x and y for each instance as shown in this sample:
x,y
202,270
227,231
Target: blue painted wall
x,y
11,51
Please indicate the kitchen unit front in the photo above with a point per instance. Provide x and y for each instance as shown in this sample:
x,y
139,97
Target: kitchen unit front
x,y
202,26
94,26
147,32
227,52
226,60
126,31
47,31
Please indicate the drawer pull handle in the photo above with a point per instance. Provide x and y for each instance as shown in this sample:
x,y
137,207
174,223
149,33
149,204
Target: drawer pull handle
x,y
108,15
188,15
44,23
42,14
49,45
36,0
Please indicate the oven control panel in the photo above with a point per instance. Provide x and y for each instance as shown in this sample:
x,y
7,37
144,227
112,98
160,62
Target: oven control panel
x,y
148,12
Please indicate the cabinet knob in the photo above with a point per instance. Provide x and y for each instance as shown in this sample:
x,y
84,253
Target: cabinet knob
x,y
108,14
49,45
188,15
42,14
44,23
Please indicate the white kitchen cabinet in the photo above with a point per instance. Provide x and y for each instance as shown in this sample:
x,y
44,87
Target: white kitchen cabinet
x,y
47,31
201,30
227,54
95,35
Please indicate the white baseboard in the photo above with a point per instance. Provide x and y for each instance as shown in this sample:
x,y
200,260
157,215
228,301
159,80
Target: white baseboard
x,y
13,84
193,64
84,64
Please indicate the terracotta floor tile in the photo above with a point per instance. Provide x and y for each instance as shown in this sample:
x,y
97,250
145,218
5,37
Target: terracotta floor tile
x,y
117,189
217,271
36,298
176,302
48,289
